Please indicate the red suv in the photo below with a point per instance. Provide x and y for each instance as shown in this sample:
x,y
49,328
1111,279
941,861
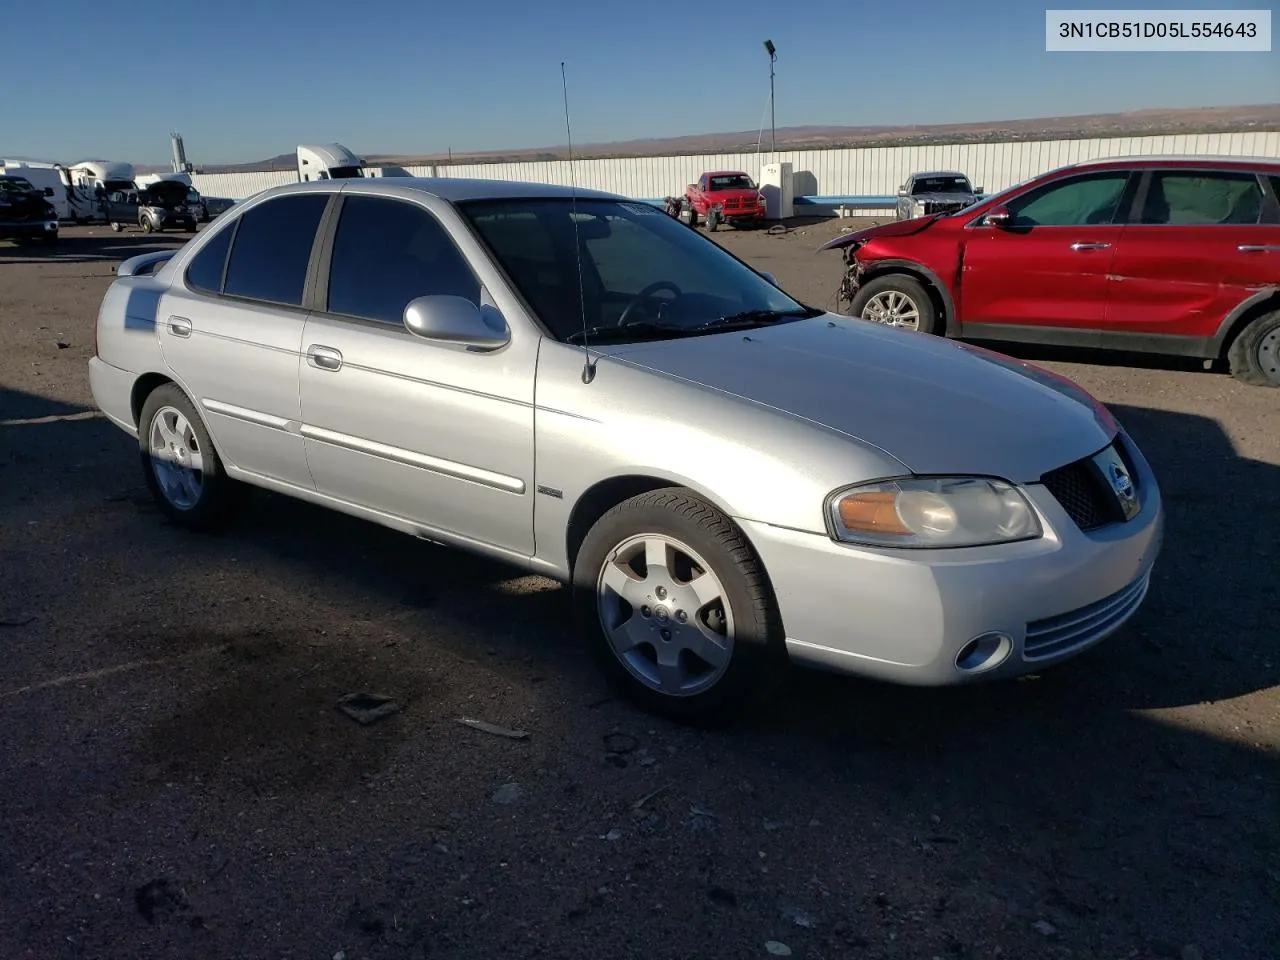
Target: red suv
x,y
1164,255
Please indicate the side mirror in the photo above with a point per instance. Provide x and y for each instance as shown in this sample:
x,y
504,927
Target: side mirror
x,y
453,320
769,276
978,191
902,191
998,217
48,191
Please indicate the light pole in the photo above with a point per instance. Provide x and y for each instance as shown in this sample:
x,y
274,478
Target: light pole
x,y
773,56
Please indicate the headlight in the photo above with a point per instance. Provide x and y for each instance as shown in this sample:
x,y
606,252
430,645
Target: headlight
x,y
932,512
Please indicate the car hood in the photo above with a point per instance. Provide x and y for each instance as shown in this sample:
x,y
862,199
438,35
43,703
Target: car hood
x,y
936,406
894,228
24,206
942,197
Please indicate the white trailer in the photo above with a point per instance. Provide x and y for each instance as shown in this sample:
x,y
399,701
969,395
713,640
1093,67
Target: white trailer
x,y
87,177
44,175
327,161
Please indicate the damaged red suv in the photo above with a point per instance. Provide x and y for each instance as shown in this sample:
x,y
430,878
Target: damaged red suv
x,y
1165,255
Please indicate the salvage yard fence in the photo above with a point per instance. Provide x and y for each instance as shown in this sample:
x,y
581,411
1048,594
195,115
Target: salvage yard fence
x,y
863,177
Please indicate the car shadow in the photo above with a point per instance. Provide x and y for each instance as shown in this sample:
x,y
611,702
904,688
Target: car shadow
x,y
78,245
1041,353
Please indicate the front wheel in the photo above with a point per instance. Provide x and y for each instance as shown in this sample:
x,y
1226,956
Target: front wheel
x,y
896,301
183,471
678,608
1255,354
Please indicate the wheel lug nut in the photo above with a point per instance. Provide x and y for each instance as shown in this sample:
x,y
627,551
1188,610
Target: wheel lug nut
x,y
681,616
662,593
644,612
665,634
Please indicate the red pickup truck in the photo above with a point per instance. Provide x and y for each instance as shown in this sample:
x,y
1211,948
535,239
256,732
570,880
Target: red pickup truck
x,y
724,196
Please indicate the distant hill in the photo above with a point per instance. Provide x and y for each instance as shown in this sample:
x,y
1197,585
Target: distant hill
x,y
1262,117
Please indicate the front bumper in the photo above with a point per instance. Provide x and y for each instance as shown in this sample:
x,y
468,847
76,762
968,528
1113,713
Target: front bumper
x,y
907,615
24,229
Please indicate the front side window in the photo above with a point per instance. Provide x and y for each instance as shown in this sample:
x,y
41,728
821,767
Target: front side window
x,y
272,249
387,253
1196,199
623,270
1078,202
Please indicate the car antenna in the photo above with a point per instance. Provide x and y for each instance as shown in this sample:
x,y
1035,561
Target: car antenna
x,y
588,368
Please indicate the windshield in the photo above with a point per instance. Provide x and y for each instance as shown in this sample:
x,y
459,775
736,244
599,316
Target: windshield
x,y
732,181
113,186
15,185
644,274
998,198
941,185
345,173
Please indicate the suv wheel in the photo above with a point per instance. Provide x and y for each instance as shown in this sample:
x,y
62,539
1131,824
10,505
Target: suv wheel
x,y
896,301
1255,354
182,469
678,608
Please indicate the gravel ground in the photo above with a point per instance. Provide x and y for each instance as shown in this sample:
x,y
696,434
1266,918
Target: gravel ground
x,y
177,781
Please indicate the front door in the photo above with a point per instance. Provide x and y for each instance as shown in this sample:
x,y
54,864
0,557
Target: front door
x,y
420,431
1049,265
1203,242
231,333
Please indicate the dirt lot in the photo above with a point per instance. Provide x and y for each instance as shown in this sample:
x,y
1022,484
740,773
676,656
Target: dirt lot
x,y
178,783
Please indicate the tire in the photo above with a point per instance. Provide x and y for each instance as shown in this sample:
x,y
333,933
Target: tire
x,y
1254,355
739,673
50,239
693,216
212,501
117,226
894,289
713,219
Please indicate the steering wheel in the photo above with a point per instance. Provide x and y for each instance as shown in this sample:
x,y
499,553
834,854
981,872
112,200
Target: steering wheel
x,y
645,295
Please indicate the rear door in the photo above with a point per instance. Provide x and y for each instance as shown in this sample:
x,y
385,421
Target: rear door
x,y
1049,266
231,333
1201,241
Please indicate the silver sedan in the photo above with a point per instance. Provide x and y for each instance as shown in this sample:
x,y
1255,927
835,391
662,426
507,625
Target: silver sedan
x,y
571,381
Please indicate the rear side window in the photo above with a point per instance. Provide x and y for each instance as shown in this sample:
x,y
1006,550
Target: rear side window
x,y
205,270
273,247
1196,199
389,252
1087,200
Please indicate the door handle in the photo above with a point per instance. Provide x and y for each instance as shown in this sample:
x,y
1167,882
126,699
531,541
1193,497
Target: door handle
x,y
1258,247
1089,246
180,327
324,358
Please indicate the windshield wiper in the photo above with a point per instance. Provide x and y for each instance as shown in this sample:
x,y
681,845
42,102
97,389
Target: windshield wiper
x,y
631,331
756,318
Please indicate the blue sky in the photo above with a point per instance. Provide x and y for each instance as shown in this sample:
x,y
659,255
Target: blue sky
x,y
244,81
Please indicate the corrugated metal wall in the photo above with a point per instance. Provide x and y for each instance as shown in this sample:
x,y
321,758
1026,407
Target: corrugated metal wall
x,y
870,172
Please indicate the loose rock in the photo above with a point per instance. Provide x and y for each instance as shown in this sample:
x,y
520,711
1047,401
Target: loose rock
x,y
777,948
508,793
1045,928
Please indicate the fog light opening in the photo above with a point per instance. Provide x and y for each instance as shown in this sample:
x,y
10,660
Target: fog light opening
x,y
984,652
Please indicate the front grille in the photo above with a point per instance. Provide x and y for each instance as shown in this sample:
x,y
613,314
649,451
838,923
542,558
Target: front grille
x,y
1082,494
1066,632
938,206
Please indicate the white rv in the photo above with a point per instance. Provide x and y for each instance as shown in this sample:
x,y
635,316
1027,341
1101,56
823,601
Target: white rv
x,y
44,175
88,176
328,161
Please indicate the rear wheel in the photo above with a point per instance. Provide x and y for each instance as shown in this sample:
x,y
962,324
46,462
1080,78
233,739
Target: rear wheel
x,y
183,471
896,301
1254,355
678,609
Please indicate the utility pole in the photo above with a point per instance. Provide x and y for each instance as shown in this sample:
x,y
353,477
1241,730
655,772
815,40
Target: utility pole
x,y
773,132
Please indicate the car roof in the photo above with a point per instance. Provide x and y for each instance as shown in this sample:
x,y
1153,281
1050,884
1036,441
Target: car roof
x,y
938,173
1180,160
452,189
726,173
